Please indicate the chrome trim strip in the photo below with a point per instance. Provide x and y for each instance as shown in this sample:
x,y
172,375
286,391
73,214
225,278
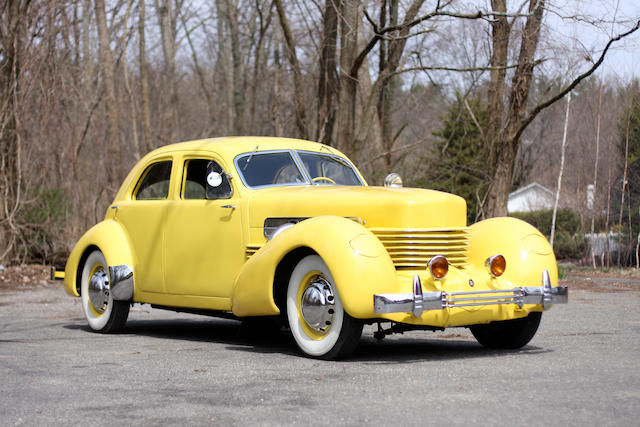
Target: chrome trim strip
x,y
121,278
418,302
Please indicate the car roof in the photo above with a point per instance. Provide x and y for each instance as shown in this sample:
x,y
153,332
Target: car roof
x,y
230,147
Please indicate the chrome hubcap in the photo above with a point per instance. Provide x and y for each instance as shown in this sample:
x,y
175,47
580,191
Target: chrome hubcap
x,y
99,290
318,304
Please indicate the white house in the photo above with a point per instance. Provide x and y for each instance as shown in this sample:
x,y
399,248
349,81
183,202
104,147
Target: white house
x,y
533,197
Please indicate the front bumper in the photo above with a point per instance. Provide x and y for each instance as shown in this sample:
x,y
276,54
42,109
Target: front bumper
x,y
419,302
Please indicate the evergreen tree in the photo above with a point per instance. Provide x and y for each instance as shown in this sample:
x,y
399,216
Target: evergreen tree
x,y
458,164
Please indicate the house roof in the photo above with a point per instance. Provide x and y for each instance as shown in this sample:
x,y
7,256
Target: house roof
x,y
532,186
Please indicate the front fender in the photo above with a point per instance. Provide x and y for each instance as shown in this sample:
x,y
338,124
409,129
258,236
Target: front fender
x,y
358,262
110,238
525,249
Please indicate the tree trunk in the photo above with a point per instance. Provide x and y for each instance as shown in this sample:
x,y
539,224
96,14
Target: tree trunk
x,y
607,249
624,183
225,62
167,21
385,99
562,156
11,51
494,141
144,79
328,80
258,64
114,147
298,97
277,116
127,85
502,136
238,74
595,180
348,88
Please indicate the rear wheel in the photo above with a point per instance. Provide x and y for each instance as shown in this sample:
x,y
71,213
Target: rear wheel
x,y
508,334
318,322
102,312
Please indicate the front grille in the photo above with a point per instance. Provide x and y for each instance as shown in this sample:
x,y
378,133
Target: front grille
x,y
412,249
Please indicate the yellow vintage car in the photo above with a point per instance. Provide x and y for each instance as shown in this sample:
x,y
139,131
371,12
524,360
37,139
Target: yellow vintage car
x,y
257,226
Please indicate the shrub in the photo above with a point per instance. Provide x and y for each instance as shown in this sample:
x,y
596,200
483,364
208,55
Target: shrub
x,y
569,241
41,219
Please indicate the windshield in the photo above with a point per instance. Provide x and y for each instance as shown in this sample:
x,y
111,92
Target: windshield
x,y
324,169
294,168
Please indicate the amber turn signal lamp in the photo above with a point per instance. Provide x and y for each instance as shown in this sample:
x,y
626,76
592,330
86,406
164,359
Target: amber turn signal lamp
x,y
438,266
497,264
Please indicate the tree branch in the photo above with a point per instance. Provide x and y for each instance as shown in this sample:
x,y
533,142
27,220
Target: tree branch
x,y
538,108
461,70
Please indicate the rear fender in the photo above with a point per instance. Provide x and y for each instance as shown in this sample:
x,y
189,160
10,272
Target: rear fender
x,y
107,236
358,262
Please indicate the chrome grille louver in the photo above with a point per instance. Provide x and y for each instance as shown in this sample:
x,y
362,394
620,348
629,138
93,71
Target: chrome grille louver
x,y
411,249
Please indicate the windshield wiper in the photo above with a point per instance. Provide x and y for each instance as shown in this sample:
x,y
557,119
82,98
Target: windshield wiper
x,y
249,159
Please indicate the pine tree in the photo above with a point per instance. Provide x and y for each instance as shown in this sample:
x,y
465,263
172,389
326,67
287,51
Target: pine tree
x,y
458,165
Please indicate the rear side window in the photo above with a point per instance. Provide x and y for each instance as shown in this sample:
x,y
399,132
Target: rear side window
x,y
154,184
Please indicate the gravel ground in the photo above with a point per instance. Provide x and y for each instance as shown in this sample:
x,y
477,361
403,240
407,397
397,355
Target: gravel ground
x,y
175,369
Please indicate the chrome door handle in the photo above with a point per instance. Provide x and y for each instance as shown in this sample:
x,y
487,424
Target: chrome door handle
x,y
228,206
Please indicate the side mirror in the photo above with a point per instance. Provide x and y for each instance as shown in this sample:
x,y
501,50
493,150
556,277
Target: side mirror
x,y
218,185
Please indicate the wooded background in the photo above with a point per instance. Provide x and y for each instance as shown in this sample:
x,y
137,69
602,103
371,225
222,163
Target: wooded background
x,y
459,96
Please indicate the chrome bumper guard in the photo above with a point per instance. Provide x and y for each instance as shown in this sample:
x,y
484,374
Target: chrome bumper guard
x,y
419,302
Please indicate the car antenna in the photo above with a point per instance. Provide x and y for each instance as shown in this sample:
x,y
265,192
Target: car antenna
x,y
322,146
249,159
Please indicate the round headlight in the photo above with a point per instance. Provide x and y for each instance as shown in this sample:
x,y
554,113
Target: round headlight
x,y
496,264
393,180
438,266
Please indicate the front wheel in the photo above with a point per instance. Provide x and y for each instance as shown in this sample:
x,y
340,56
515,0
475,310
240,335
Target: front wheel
x,y
102,312
508,334
318,322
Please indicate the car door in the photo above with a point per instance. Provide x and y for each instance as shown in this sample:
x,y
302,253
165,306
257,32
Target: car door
x,y
203,247
143,217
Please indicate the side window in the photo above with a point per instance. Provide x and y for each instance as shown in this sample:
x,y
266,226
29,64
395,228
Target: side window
x,y
195,182
154,184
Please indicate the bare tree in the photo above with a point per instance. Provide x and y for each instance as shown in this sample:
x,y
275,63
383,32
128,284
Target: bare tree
x,y
14,15
507,126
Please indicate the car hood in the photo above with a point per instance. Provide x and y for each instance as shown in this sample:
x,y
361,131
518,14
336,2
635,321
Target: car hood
x,y
376,206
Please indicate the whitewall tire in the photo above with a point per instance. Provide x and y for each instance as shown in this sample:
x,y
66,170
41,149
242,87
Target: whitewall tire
x,y
102,312
318,322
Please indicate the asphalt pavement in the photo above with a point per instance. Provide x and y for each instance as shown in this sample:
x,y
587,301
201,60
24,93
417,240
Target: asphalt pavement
x,y
176,369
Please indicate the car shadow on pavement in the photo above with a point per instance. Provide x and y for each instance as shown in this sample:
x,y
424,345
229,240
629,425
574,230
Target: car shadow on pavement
x,y
249,337
214,330
406,350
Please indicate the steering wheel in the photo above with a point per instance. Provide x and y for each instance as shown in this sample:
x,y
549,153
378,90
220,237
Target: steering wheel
x,y
323,178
